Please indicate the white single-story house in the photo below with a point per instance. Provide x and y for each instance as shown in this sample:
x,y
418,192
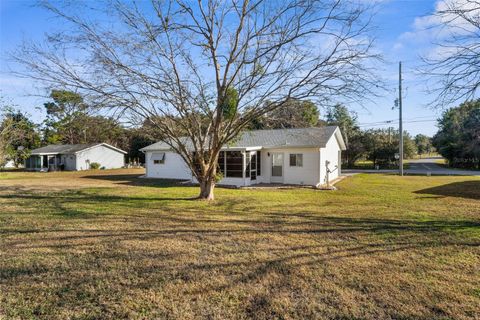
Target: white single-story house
x,y
307,156
73,157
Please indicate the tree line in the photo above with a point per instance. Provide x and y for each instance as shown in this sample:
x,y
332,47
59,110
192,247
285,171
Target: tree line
x,y
69,120
377,145
458,137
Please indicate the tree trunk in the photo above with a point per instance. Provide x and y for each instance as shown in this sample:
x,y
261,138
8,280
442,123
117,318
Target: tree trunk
x,y
206,189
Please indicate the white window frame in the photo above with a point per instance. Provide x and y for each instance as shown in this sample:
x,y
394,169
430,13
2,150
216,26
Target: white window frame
x,y
159,161
297,156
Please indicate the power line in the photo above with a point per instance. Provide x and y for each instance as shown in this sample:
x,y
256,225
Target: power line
x,y
393,122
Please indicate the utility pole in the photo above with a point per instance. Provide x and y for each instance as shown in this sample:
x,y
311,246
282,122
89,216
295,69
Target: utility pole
x,y
400,127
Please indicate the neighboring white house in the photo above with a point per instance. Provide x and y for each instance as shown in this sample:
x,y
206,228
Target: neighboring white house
x,y
72,157
10,164
307,156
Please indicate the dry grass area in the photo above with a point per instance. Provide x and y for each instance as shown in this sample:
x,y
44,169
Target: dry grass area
x,y
107,245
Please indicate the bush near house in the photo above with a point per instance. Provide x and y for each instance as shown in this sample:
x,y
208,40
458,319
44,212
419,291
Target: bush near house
x,y
95,165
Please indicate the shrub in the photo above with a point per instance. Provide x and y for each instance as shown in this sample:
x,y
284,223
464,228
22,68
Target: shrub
x,y
218,177
94,165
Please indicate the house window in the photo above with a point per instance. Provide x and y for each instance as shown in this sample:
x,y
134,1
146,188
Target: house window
x,y
296,160
158,158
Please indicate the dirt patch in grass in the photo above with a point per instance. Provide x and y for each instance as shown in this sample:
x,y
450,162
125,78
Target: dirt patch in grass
x,y
114,246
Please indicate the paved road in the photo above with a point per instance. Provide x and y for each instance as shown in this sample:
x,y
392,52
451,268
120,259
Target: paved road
x,y
422,166
427,164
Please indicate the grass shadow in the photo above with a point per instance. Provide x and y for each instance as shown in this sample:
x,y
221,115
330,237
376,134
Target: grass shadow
x,y
464,189
138,181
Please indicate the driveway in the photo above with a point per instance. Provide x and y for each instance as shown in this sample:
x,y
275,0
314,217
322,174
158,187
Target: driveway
x,y
427,164
422,166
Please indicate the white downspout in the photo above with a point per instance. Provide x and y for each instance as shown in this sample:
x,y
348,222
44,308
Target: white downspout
x,y
319,168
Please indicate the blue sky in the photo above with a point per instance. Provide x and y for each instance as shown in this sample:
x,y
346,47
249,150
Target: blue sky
x,y
401,35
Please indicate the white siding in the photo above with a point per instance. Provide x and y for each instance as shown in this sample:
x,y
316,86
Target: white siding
x,y
70,162
308,174
173,168
330,153
9,164
107,157
313,171
239,182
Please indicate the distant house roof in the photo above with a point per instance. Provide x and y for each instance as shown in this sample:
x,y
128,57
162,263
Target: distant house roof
x,y
70,148
302,137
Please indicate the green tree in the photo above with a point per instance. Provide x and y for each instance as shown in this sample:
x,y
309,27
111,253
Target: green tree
x,y
471,135
18,135
62,114
423,144
26,138
381,145
69,120
137,139
294,114
340,116
458,137
6,135
409,147
89,129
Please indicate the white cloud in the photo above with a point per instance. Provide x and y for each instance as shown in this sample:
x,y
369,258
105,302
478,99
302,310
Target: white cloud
x,y
397,46
442,24
441,52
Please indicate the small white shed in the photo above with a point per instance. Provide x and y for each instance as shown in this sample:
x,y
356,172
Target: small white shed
x,y
73,157
306,156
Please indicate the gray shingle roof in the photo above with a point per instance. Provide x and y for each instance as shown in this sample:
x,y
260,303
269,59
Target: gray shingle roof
x,y
302,137
68,148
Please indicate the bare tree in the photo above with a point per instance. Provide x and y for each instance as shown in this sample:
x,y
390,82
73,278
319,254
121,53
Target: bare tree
x,y
202,70
454,66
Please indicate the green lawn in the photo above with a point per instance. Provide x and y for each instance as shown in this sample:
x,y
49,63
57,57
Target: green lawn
x,y
107,245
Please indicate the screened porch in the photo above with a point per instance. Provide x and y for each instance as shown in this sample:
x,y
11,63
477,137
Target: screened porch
x,y
44,162
239,165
